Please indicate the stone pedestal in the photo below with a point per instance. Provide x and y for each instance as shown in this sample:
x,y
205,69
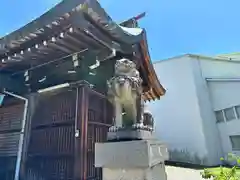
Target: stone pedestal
x,y
130,134
132,160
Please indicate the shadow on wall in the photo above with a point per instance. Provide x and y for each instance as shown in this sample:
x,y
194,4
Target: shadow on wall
x,y
185,156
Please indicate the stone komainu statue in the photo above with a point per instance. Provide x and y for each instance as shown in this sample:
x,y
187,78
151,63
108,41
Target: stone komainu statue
x,y
124,90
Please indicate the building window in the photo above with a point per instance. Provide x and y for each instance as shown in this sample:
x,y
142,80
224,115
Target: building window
x,y
229,114
219,116
235,141
238,111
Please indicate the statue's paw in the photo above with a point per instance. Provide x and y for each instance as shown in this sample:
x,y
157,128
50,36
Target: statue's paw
x,y
138,126
113,129
142,127
148,128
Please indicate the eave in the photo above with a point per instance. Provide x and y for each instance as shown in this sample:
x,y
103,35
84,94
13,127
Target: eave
x,y
156,90
73,27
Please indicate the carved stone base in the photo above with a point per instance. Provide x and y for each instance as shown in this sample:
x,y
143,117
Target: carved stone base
x,y
132,160
130,134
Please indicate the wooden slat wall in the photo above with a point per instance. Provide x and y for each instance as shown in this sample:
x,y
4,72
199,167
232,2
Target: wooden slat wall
x,y
10,126
51,146
54,151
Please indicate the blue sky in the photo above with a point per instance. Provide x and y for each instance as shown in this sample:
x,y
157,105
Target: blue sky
x,y
173,27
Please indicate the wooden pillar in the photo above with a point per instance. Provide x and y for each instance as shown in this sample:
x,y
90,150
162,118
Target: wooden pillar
x,y
81,127
32,104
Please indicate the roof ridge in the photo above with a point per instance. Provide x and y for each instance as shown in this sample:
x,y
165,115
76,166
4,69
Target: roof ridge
x,y
217,58
228,54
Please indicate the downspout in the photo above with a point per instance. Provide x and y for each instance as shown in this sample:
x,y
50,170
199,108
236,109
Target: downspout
x,y
20,145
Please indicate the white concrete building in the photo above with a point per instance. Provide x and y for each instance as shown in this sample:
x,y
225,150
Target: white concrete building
x,y
199,117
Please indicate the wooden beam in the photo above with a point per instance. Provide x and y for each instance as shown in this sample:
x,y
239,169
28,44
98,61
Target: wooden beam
x,y
55,46
75,40
68,45
50,62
